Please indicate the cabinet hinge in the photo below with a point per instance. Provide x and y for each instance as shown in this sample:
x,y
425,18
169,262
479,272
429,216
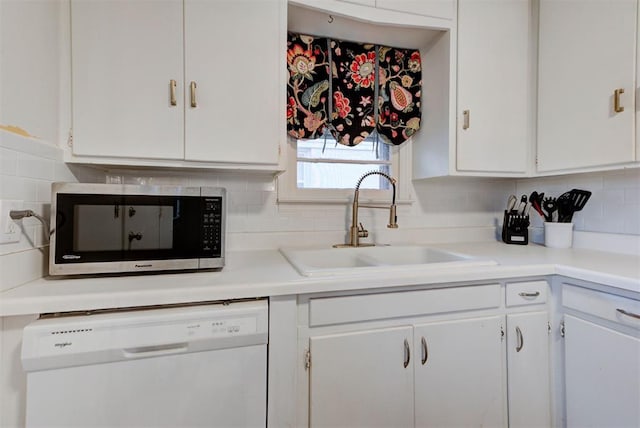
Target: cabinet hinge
x,y
70,139
562,332
501,333
307,359
549,327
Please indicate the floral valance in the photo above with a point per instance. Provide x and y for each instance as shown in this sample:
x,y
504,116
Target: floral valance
x,y
352,90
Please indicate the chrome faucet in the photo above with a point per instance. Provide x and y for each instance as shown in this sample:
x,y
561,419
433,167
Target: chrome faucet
x,y
357,231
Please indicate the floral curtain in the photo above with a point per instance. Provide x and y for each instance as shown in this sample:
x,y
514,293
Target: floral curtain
x,y
400,80
308,86
352,90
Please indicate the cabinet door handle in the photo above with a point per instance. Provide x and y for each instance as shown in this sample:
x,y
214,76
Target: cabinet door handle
x,y
465,119
172,87
629,314
425,351
407,353
193,95
616,100
529,295
520,343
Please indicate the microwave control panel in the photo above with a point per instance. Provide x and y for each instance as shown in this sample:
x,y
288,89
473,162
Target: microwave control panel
x,y
212,226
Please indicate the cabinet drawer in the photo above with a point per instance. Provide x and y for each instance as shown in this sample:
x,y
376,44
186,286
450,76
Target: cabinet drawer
x,y
603,305
527,293
338,310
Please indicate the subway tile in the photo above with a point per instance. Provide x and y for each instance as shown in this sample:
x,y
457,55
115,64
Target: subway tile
x,y
8,161
30,166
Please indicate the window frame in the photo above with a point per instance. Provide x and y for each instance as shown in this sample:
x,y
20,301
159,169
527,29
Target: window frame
x,y
288,191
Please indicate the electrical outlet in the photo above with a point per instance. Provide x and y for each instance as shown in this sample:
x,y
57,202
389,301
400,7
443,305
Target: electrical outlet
x,y
10,230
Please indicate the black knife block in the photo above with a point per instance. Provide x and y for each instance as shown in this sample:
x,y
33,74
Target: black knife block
x,y
515,228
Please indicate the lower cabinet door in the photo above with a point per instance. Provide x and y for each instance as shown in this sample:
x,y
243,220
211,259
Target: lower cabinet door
x,y
362,379
602,375
528,370
460,373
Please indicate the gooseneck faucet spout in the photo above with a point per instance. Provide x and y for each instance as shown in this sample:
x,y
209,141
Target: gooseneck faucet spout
x,y
357,231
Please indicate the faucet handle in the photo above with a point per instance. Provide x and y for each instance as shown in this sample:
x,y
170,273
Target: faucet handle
x,y
362,232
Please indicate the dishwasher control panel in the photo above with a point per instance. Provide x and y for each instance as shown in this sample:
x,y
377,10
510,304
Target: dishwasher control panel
x,y
89,339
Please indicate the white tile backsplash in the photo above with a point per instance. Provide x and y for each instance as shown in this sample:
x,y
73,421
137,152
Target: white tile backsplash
x,y
27,176
443,209
612,208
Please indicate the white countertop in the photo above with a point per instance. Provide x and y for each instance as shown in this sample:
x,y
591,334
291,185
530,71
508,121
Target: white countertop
x,y
267,273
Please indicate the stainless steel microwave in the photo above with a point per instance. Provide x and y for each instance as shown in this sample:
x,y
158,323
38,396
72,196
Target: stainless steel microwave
x,y
108,228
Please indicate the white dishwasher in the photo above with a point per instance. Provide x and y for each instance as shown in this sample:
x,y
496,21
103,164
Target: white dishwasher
x,y
201,365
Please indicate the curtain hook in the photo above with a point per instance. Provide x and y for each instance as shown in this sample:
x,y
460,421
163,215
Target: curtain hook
x,y
330,21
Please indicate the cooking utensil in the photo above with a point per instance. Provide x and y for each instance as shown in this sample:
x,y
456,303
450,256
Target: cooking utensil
x,y
511,202
536,202
570,202
549,206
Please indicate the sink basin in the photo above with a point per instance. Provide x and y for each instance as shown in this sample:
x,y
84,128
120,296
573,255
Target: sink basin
x,y
360,260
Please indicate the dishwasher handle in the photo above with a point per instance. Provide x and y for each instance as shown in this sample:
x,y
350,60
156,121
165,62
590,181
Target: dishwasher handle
x,y
155,350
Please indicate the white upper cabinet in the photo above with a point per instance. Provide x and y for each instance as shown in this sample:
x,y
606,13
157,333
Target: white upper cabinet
x,y
434,8
495,93
586,59
124,55
183,80
232,56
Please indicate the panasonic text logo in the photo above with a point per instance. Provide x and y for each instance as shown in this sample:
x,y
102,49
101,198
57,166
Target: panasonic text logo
x,y
142,266
70,257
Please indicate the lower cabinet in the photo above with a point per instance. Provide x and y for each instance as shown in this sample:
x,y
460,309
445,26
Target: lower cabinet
x,y
362,379
459,373
459,356
528,369
444,374
602,359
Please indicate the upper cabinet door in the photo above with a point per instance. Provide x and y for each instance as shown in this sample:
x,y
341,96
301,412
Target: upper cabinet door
x,y
495,92
124,56
235,66
586,56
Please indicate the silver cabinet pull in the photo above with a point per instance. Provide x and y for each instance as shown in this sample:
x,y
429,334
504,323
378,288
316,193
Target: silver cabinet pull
x,y
407,353
425,351
520,343
529,295
172,87
465,119
193,95
629,314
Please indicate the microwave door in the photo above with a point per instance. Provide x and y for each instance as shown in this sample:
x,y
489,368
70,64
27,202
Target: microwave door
x,y
148,227
98,228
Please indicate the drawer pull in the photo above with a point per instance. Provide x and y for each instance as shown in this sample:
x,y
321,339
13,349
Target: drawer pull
x,y
529,295
425,351
407,353
629,314
520,343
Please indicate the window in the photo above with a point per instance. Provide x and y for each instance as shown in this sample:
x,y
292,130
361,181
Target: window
x,y
322,171
326,165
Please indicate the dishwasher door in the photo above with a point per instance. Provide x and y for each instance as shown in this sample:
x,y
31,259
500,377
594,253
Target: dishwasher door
x,y
178,367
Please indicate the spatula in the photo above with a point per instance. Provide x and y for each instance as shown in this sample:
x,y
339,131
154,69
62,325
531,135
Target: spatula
x,y
549,206
570,203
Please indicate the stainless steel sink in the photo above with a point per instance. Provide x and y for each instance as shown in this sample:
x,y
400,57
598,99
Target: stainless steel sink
x,y
344,261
